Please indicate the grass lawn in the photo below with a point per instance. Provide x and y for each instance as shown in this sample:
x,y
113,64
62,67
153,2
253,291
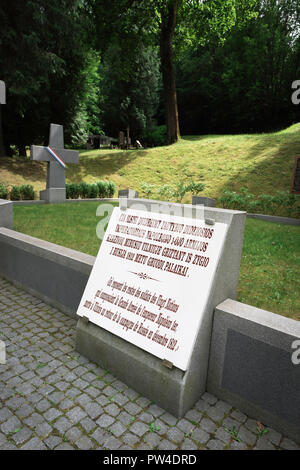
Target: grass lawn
x,y
269,276
261,162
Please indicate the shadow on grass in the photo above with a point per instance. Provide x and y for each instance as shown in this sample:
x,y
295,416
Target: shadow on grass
x,y
275,171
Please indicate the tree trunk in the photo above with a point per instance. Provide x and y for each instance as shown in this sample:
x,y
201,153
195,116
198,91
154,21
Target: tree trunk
x,y
168,23
2,150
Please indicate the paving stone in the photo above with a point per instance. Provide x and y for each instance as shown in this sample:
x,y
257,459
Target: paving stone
x,y
43,429
62,424
105,421
175,435
10,425
139,428
200,436
130,438
223,435
76,414
100,436
21,436
289,445
185,425
52,441
264,444
273,436
209,398
112,443
73,434
188,445
34,444
215,444
152,439
87,424
134,409
64,446
52,414
246,436
112,409
117,429
155,410
166,445
208,425
239,416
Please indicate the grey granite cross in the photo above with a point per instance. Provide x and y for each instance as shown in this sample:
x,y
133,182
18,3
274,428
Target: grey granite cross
x,y
56,156
2,93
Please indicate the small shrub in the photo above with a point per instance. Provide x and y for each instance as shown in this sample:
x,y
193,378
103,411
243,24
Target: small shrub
x,y
73,191
102,188
27,192
15,194
111,187
3,191
93,191
195,188
148,189
84,190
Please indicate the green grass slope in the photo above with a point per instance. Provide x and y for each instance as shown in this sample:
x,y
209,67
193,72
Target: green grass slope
x,y
261,162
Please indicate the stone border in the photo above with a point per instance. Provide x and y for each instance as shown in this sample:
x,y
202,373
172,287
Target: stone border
x,y
275,219
251,365
56,274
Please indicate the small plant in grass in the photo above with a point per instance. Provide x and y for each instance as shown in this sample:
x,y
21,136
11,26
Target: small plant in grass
x,y
195,188
148,189
3,191
165,191
261,430
15,194
153,427
27,192
233,433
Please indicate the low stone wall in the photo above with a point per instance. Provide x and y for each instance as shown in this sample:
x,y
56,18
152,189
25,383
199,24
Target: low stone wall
x,y
56,274
253,365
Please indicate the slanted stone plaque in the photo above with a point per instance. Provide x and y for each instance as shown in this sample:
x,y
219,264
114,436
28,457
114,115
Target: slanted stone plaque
x,y
296,177
146,312
151,281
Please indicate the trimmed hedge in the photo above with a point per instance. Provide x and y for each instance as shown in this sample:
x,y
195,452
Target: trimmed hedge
x,y
101,189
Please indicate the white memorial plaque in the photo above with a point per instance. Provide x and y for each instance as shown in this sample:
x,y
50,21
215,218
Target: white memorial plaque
x,y
151,281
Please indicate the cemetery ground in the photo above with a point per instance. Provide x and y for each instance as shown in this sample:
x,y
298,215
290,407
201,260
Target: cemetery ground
x,y
263,163
51,397
269,275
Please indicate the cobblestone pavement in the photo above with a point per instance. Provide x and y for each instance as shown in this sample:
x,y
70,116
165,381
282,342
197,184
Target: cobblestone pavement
x,y
53,398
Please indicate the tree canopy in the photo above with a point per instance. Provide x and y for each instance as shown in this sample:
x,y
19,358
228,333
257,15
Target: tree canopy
x,y
157,67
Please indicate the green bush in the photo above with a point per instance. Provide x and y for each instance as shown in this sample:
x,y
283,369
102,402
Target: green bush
x,y
15,194
84,190
282,202
111,187
155,136
102,188
73,191
27,192
93,190
3,191
148,189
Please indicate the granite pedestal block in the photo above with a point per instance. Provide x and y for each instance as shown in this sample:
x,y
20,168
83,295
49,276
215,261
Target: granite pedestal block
x,y
6,213
129,193
205,201
174,390
53,195
255,365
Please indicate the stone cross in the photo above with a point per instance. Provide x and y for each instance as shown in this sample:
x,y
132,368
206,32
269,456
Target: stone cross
x,y
56,156
2,93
